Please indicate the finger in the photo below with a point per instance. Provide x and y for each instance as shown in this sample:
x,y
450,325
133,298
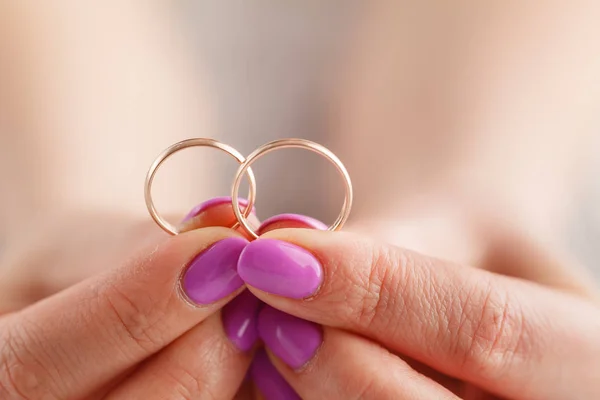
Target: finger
x,y
201,364
290,221
270,384
22,284
501,333
50,258
77,340
326,363
217,211
239,316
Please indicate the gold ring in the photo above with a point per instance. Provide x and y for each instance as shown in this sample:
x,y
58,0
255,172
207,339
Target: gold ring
x,y
291,143
201,142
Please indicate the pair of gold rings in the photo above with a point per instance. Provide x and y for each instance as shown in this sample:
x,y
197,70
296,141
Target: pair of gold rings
x,y
245,169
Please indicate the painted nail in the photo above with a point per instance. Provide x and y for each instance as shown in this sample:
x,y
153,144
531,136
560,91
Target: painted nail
x,y
292,339
290,221
268,380
239,320
216,201
212,274
280,268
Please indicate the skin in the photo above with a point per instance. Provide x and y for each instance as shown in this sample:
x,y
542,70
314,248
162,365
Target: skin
x,y
120,353
432,81
435,358
421,327
47,103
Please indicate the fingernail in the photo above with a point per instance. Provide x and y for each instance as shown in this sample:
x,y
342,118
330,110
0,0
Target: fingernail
x,y
268,380
280,268
239,320
216,201
212,274
290,221
292,339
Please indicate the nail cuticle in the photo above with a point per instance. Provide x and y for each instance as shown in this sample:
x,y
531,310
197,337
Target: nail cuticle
x,y
186,299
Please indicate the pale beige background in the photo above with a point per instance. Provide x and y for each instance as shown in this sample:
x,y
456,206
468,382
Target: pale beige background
x,y
90,105
268,64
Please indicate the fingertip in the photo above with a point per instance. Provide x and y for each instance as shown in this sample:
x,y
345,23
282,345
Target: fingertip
x,y
293,340
217,211
282,268
239,319
212,274
208,204
290,221
268,380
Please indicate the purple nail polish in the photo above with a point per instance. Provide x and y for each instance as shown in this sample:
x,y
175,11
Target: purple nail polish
x,y
293,221
239,320
280,268
268,380
212,274
292,339
216,201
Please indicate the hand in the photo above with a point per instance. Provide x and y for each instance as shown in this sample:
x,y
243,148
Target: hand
x,y
392,320
267,382
133,331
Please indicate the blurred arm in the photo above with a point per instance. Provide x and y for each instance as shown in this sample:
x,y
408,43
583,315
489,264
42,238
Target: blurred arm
x,y
457,114
91,93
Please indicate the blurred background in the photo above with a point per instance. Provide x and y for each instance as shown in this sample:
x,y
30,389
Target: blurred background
x,y
451,117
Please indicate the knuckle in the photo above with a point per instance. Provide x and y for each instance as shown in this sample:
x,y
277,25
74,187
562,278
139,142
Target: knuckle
x,y
383,287
184,383
198,379
23,374
491,335
214,350
187,385
138,316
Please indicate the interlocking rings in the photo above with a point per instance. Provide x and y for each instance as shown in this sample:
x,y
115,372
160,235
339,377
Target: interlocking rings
x,y
245,169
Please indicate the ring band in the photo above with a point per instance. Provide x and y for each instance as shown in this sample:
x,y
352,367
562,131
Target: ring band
x,y
196,142
291,143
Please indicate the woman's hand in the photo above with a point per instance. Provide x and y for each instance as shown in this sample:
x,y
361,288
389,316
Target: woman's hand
x,y
382,307
148,328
